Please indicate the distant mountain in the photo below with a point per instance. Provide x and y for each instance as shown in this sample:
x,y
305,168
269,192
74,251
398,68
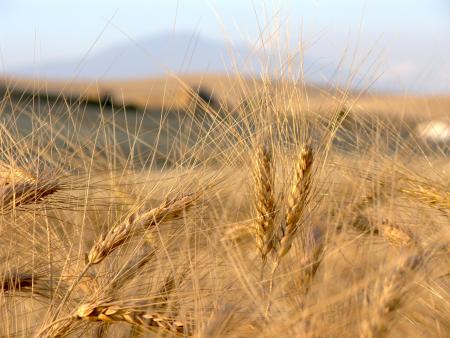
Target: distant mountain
x,y
190,53
154,56
181,53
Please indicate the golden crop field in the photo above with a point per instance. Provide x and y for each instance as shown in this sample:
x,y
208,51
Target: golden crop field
x,y
279,210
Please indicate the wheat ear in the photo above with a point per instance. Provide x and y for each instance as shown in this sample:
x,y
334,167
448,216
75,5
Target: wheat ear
x,y
396,235
22,193
10,174
106,311
295,208
432,196
119,234
168,210
310,266
264,179
297,200
16,281
389,294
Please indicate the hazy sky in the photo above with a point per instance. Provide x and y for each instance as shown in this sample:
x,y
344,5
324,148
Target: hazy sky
x,y
409,39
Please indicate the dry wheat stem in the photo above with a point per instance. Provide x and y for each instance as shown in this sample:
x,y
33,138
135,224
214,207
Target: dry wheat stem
x,y
69,291
13,282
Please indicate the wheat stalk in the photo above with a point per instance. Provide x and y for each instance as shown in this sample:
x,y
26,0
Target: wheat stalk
x,y
295,208
12,283
297,200
265,204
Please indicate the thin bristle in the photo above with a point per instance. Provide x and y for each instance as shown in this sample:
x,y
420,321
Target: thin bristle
x,y
132,269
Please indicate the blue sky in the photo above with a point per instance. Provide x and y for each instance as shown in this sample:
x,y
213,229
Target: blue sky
x,y
410,39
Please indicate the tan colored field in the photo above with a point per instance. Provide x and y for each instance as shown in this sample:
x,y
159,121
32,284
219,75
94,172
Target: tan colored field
x,y
176,93
295,213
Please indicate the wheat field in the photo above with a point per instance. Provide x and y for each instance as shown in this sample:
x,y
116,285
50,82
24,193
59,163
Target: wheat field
x,y
277,217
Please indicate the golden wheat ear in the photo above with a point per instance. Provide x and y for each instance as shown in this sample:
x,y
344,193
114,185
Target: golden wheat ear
x,y
106,311
169,210
265,204
389,293
23,193
429,195
396,235
315,254
10,174
119,234
297,200
16,281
